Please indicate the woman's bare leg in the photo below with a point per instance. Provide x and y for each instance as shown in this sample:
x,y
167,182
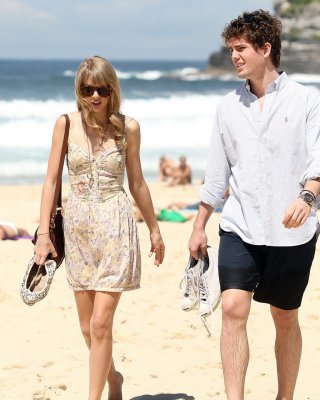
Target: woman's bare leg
x,y
96,311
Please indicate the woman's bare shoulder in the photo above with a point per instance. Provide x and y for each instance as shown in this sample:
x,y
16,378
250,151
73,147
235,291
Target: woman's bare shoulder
x,y
74,115
132,125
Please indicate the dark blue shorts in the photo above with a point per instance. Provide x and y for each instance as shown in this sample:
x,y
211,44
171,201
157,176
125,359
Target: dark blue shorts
x,y
276,275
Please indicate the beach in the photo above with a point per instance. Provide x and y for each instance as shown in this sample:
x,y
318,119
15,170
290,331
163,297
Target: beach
x,y
163,352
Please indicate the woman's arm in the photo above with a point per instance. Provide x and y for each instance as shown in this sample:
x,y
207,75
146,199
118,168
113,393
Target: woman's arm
x,y
139,189
44,246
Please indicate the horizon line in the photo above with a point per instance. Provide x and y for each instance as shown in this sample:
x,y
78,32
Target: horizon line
x,y
109,58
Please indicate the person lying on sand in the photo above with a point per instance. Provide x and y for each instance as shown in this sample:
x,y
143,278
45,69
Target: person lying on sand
x,y
163,214
9,230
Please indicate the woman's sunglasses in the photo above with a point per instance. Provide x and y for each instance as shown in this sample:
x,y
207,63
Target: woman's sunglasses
x,y
87,91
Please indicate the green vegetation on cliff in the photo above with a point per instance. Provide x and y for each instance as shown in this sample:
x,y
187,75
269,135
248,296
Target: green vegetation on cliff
x,y
295,8
300,38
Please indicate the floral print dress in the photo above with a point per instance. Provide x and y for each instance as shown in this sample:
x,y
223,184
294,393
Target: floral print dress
x,y
101,240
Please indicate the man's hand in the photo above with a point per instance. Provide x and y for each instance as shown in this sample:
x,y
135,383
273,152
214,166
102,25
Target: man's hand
x,y
198,243
296,214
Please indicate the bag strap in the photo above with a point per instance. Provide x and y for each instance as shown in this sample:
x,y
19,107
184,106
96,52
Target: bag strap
x,y
56,205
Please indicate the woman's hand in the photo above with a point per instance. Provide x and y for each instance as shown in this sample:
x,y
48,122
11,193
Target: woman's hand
x,y
42,248
157,247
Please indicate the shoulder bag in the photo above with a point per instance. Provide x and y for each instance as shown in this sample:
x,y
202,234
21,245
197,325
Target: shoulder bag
x,y
38,278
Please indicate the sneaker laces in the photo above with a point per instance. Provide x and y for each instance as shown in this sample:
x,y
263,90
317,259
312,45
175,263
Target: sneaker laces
x,y
189,286
203,290
203,296
195,283
191,281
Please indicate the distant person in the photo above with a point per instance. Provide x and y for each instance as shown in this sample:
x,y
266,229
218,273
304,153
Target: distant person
x,y
101,238
265,144
166,169
182,174
9,230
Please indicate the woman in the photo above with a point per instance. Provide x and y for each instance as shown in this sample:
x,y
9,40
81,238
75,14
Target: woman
x,y
101,242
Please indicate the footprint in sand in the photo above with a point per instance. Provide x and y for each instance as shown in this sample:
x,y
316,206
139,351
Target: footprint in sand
x,y
14,366
45,394
62,386
312,316
48,364
40,395
126,359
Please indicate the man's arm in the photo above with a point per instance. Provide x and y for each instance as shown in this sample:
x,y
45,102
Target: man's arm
x,y
212,191
198,239
298,212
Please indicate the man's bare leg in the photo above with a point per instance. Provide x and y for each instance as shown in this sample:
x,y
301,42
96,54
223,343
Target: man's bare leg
x,y
234,341
288,348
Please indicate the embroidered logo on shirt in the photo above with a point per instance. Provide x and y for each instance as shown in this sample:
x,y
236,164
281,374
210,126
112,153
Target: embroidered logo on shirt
x,y
286,119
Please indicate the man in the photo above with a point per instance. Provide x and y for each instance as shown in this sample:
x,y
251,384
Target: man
x,y
182,175
266,145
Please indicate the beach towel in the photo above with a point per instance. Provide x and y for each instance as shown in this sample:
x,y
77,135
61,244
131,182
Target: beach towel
x,y
170,215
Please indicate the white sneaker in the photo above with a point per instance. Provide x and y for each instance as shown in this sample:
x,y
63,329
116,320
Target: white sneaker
x,y
209,283
190,278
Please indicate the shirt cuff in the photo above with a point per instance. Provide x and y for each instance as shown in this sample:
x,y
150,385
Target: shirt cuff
x,y
208,198
308,176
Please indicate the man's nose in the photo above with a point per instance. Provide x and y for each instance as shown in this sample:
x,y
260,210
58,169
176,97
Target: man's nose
x,y
234,55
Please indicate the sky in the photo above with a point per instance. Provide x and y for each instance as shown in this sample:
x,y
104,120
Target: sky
x,y
117,29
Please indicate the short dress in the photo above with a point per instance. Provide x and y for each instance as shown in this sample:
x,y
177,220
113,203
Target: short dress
x,y
101,239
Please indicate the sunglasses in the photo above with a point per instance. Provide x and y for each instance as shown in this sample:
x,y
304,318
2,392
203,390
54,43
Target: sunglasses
x,y
87,90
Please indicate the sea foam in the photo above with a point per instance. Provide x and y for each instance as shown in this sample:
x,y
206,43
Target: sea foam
x,y
165,122
169,126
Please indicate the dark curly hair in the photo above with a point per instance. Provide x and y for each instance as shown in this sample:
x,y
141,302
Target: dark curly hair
x,y
257,27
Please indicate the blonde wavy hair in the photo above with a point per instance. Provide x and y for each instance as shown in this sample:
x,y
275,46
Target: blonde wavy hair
x,y
101,73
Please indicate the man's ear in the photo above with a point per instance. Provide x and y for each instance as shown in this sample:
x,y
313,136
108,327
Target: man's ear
x,y
266,49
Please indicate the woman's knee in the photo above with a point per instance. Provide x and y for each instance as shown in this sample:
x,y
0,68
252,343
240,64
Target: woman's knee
x,y
101,327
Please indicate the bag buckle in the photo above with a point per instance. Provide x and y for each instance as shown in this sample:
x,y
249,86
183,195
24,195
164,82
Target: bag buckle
x,y
52,223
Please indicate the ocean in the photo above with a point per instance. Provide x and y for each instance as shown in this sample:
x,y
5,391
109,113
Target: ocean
x,y
174,102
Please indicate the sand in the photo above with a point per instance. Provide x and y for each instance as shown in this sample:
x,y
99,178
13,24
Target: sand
x,y
163,352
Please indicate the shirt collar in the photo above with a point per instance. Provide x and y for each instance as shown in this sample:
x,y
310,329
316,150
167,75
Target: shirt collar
x,y
274,86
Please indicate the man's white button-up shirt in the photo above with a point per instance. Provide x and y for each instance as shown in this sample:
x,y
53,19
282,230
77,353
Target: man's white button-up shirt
x,y
265,156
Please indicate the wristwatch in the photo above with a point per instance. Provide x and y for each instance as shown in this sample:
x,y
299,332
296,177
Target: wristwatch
x,y
308,197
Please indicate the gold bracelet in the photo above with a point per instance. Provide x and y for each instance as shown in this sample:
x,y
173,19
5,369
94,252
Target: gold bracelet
x,y
46,233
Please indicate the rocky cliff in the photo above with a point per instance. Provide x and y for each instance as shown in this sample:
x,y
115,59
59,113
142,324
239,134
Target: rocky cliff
x,y
300,38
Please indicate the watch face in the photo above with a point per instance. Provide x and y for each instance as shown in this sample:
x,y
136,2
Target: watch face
x,y
308,197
